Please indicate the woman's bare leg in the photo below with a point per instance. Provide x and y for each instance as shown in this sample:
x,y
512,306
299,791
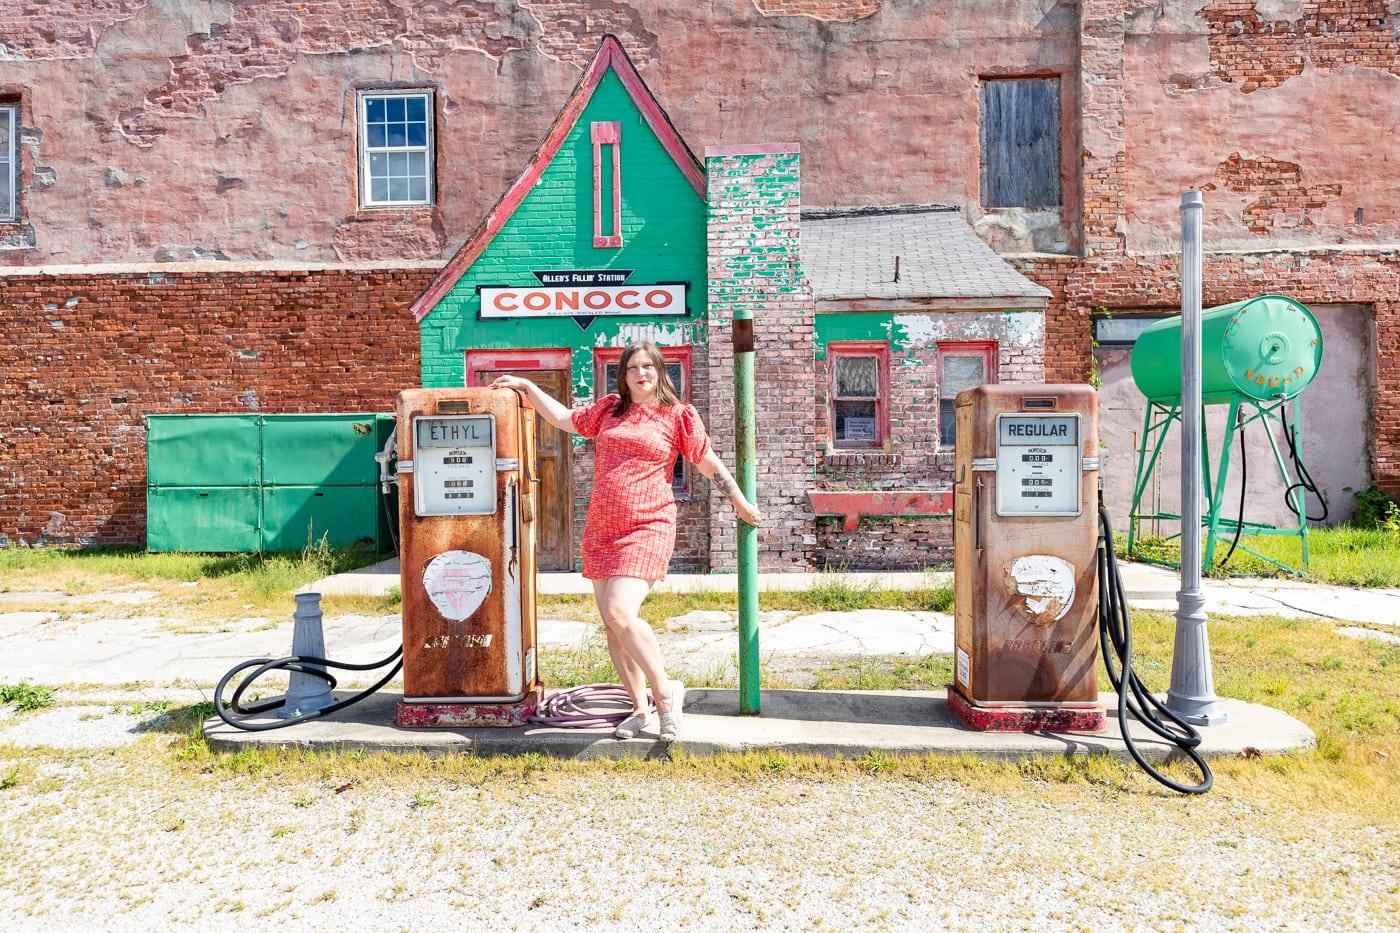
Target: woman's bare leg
x,y
634,679
619,602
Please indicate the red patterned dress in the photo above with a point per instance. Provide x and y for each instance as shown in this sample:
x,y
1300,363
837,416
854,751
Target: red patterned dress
x,y
630,529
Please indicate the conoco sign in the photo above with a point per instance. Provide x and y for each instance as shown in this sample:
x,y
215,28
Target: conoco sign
x,y
588,300
658,300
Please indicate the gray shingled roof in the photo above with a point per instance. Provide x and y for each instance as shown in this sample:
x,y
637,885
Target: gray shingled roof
x,y
850,254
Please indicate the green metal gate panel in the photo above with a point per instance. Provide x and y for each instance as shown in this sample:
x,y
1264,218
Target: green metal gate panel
x,y
203,450
214,518
265,482
295,516
319,450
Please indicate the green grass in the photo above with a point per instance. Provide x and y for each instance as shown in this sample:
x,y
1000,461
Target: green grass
x,y
831,593
1343,554
25,696
202,586
1347,690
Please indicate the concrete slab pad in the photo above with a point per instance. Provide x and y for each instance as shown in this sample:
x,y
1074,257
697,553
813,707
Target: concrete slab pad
x,y
849,724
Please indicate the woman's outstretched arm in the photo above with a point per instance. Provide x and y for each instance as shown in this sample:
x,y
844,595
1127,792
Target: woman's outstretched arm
x,y
550,409
714,470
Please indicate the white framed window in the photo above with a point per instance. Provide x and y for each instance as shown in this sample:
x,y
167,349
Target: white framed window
x,y
9,163
396,148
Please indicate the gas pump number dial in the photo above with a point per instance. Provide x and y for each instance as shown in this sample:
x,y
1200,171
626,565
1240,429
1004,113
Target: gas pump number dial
x,y
455,465
1038,464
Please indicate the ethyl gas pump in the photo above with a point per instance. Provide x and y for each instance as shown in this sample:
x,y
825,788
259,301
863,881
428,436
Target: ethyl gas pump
x,y
467,557
1034,569
467,564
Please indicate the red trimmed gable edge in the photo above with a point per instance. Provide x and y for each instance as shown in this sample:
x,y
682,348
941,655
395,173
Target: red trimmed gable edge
x,y
610,55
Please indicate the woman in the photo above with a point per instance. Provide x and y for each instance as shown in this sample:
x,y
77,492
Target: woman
x,y
630,529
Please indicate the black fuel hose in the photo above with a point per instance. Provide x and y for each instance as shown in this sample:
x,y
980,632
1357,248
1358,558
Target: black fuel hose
x,y
1116,642
239,716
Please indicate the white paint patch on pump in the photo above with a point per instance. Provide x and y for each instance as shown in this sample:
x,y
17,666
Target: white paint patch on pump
x,y
1040,587
457,582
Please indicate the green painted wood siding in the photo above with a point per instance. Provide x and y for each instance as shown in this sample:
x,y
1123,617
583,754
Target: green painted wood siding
x,y
663,231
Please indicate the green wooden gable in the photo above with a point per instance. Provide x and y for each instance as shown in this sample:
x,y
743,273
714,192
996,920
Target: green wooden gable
x,y
547,222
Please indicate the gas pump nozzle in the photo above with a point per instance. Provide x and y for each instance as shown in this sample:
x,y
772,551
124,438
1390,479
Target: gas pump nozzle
x,y
382,458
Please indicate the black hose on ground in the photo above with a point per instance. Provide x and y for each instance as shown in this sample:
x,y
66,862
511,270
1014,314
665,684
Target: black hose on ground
x,y
239,716
1116,642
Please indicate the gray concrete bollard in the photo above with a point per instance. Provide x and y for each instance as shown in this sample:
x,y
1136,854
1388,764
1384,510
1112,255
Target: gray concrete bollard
x,y
306,693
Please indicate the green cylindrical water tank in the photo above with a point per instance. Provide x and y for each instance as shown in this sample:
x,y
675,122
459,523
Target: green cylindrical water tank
x,y
1264,348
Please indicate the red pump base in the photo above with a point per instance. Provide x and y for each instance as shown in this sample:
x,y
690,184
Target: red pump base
x,y
1026,718
446,715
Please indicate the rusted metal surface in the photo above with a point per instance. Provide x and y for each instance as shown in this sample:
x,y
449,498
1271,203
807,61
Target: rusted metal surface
x,y
468,581
1025,586
423,715
1026,718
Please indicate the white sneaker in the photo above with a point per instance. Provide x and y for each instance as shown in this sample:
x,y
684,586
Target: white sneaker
x,y
671,722
630,726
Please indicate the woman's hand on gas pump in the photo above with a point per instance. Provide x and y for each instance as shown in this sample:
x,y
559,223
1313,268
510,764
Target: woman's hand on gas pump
x,y
550,409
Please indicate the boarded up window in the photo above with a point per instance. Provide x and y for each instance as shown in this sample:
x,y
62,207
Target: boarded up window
x,y
1020,141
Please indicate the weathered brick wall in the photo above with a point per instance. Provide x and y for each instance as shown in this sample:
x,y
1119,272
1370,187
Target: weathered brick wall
x,y
914,459
87,357
754,263
885,543
1281,200
1368,277
1259,50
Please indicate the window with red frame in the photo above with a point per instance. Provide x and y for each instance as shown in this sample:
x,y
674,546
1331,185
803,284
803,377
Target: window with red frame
x,y
960,366
860,394
605,363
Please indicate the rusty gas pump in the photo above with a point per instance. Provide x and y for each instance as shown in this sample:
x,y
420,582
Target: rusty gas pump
x,y
467,557
1025,551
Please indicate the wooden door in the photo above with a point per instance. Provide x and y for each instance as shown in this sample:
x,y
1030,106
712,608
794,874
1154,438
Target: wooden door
x,y
555,503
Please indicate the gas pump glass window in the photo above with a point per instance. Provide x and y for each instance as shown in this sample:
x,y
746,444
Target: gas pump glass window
x,y
454,465
677,373
855,400
960,371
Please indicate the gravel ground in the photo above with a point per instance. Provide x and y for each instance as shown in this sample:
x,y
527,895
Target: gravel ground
x,y
122,834
106,825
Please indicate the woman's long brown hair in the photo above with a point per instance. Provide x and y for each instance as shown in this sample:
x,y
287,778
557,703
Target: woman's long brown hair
x,y
665,388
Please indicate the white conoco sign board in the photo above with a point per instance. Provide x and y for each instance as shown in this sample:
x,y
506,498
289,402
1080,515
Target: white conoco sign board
x,y
577,300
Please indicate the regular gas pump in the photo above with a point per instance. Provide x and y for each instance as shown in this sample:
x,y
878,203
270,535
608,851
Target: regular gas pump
x,y
1036,584
1025,538
467,557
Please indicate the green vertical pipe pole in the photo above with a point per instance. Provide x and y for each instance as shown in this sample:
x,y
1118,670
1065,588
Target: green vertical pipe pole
x,y
744,457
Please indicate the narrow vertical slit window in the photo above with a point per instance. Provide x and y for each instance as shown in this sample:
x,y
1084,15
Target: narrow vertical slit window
x,y
607,184
9,163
